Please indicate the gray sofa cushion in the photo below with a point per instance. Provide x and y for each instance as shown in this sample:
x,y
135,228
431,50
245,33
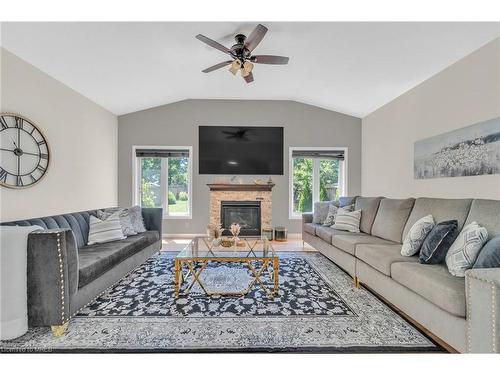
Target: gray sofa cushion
x,y
486,213
381,257
434,283
391,218
97,259
369,208
348,242
440,209
326,233
321,210
346,201
78,222
311,228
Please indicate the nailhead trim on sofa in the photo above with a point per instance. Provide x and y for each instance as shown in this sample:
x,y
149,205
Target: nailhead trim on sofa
x,y
493,312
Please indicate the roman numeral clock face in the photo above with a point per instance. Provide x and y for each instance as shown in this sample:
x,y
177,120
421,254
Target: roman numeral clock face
x,y
24,153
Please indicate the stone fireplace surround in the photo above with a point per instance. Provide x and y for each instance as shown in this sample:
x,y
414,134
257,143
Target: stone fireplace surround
x,y
241,192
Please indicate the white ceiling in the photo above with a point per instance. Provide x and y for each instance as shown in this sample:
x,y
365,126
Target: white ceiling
x,y
352,68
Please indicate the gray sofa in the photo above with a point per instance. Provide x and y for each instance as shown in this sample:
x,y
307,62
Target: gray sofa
x,y
462,312
64,274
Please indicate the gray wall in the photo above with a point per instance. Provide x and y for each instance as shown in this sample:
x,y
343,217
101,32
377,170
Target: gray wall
x,y
82,137
463,94
177,124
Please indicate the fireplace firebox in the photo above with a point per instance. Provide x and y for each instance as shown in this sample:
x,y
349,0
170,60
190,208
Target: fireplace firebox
x,y
245,213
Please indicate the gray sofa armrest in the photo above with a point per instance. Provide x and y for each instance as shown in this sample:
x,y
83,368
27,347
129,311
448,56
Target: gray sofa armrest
x,y
153,219
307,218
482,287
52,276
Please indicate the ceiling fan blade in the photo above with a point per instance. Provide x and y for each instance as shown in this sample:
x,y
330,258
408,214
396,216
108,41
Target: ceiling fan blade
x,y
248,78
217,66
270,59
213,43
255,37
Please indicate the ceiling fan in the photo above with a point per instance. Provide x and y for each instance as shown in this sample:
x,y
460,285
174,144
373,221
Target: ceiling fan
x,y
241,53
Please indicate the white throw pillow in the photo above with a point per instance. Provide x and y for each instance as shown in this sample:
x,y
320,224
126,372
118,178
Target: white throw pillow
x,y
464,251
125,221
416,236
347,220
108,230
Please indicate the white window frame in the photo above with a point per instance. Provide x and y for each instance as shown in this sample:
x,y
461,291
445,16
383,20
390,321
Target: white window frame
x,y
136,171
343,168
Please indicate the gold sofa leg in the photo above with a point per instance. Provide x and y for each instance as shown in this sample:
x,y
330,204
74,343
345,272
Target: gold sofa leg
x,y
61,330
357,282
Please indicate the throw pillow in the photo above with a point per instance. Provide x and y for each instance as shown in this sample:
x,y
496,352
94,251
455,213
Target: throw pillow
x,y
330,218
347,220
416,236
489,256
102,231
126,223
320,212
438,241
464,251
135,213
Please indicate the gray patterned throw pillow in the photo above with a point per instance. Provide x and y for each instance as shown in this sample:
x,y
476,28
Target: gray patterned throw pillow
x,y
125,221
464,251
136,219
330,217
416,236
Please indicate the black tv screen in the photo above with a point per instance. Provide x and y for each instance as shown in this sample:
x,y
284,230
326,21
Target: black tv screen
x,y
241,150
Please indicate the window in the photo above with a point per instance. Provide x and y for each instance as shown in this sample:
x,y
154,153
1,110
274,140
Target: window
x,y
163,179
316,174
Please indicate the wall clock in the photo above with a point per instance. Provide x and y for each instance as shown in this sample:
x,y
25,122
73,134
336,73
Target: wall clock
x,y
24,153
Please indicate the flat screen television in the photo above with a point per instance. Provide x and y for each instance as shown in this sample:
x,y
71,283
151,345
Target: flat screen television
x,y
254,150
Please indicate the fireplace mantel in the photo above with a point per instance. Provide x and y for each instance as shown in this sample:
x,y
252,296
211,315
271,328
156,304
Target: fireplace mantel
x,y
240,187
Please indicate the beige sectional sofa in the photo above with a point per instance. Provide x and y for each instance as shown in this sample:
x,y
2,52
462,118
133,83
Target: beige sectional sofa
x,y
462,312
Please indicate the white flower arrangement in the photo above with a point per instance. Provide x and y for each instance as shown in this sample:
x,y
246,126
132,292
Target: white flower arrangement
x,y
235,229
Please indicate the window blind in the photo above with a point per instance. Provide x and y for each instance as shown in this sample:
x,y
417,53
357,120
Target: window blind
x,y
161,153
319,154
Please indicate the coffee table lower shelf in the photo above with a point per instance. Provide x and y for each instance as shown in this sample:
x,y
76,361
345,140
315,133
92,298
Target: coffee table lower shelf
x,y
196,266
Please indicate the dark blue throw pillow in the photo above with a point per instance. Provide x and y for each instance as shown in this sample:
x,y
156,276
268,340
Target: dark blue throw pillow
x,y
489,256
438,241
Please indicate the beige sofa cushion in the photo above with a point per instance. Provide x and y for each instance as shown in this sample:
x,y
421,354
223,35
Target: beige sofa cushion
x,y
391,218
368,207
434,283
311,228
485,213
348,242
440,209
381,257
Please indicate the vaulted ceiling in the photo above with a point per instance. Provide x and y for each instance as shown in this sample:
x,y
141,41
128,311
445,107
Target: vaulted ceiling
x,y
353,68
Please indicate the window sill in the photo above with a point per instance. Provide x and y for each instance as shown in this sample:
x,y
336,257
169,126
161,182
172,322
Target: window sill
x,y
177,217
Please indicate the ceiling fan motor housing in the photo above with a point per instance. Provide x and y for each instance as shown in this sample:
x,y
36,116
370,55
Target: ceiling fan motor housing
x,y
239,49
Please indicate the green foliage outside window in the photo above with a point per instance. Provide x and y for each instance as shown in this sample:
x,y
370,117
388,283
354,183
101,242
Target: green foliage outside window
x,y
148,196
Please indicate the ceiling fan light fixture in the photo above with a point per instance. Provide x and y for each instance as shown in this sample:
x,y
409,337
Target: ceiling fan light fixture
x,y
247,66
235,66
244,73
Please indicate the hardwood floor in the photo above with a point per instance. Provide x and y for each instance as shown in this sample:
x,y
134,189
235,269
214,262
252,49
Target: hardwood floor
x,y
292,244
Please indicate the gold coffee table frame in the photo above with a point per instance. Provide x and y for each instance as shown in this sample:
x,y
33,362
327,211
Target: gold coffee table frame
x,y
196,256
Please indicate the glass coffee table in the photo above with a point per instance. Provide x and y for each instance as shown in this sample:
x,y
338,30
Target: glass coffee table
x,y
257,254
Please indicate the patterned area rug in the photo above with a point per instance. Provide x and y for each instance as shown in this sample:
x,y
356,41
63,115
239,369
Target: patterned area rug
x,y
318,309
